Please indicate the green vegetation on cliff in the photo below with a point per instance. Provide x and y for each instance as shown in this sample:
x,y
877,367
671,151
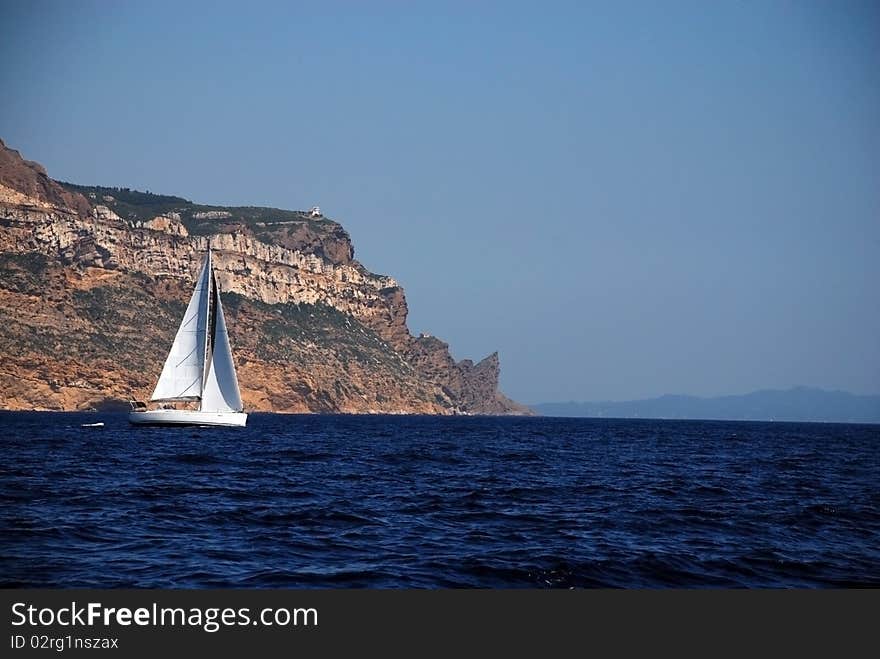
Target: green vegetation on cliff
x,y
199,219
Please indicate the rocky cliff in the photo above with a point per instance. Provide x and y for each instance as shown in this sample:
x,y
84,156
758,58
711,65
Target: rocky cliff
x,y
93,282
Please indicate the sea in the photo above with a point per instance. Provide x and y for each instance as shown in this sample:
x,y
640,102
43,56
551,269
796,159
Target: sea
x,y
318,501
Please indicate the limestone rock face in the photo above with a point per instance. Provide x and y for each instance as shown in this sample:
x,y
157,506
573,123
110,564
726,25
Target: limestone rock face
x,y
93,283
167,224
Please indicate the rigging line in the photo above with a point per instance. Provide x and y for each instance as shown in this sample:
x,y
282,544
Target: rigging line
x,y
187,389
185,357
189,320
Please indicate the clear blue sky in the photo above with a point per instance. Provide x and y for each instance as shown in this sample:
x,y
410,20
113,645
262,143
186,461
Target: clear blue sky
x,y
625,199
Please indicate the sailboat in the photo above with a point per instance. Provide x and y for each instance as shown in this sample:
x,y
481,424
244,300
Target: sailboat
x,y
199,371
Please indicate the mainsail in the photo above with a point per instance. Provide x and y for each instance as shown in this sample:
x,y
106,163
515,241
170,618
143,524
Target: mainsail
x,y
182,375
199,365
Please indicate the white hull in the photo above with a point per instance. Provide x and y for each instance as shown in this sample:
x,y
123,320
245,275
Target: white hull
x,y
187,418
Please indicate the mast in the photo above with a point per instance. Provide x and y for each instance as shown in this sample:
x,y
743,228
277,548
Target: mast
x,y
220,390
210,311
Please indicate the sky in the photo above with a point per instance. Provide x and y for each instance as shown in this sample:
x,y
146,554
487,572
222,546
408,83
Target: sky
x,y
624,199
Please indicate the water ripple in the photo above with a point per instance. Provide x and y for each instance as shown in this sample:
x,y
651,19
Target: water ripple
x,y
424,502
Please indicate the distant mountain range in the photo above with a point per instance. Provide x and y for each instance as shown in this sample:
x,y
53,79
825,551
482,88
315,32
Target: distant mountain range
x,y
796,404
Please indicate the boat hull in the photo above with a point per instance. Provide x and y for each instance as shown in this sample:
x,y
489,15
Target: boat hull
x,y
187,418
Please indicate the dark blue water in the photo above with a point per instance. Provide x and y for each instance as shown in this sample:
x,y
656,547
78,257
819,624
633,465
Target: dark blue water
x,y
317,501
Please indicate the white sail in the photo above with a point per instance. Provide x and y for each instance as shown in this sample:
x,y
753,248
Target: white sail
x,y
199,367
182,375
221,392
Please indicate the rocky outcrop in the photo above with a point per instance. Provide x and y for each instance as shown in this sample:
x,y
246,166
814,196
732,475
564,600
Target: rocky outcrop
x,y
313,330
473,386
31,180
166,224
